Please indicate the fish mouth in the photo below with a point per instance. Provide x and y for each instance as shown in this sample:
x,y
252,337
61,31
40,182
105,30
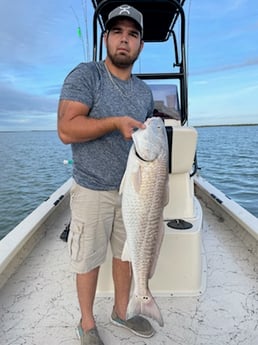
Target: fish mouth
x,y
138,156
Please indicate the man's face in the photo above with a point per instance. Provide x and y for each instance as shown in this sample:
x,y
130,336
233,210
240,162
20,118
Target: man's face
x,y
123,43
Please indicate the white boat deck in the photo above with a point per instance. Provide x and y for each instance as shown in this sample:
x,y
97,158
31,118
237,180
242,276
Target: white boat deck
x,y
38,305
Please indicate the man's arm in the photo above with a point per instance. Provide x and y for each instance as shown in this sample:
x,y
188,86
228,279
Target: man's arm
x,y
74,125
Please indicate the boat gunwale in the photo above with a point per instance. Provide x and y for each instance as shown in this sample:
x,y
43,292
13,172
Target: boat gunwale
x,y
243,223
20,241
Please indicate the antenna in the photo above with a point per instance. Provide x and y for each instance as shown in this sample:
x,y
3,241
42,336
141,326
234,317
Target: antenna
x,y
84,6
188,34
79,32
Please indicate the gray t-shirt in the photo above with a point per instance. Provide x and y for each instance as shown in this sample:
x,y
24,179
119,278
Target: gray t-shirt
x,y
100,164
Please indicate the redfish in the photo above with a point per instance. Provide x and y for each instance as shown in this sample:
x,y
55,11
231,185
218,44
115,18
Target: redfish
x,y
144,191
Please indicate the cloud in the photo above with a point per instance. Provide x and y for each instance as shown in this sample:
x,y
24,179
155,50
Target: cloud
x,y
39,45
201,82
215,10
221,68
25,122
21,110
13,100
30,30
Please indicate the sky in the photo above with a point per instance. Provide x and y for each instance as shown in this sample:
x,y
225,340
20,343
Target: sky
x,y
39,45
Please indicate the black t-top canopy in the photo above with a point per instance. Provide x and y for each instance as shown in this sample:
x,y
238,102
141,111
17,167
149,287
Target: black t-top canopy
x,y
159,16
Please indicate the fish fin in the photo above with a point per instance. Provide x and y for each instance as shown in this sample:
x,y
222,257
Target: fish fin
x,y
158,246
146,306
126,253
137,179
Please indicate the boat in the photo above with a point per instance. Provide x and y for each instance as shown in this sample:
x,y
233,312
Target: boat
x,y
206,278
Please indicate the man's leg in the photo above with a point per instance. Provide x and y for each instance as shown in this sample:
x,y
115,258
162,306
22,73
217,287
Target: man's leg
x,y
122,276
86,289
122,285
122,282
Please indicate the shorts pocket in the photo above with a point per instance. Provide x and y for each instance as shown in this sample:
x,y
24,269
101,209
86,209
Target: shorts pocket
x,y
75,241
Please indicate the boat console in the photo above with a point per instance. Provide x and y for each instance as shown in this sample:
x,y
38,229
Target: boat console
x,y
180,266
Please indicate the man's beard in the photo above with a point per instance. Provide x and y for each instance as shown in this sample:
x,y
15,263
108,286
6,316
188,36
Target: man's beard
x,y
122,61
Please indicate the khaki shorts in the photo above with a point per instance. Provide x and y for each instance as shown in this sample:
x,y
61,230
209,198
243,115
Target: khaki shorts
x,y
96,220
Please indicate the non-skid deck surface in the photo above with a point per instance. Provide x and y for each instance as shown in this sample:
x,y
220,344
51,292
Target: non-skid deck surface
x,y
38,306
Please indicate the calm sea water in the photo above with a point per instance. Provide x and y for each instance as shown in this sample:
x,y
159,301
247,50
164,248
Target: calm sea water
x,y
227,157
32,168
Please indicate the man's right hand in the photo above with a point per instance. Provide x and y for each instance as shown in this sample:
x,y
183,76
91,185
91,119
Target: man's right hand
x,y
127,125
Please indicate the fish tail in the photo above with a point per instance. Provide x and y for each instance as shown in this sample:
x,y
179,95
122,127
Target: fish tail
x,y
144,305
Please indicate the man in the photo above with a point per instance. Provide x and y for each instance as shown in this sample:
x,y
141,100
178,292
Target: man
x,y
101,104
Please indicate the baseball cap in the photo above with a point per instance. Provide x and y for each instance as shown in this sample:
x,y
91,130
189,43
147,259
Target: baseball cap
x,y
125,11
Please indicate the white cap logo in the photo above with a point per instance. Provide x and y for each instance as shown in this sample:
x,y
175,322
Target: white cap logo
x,y
124,9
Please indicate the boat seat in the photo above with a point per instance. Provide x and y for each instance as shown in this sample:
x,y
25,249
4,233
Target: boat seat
x,y
182,143
180,266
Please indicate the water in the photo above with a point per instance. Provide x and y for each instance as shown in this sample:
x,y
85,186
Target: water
x,y
227,157
32,168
